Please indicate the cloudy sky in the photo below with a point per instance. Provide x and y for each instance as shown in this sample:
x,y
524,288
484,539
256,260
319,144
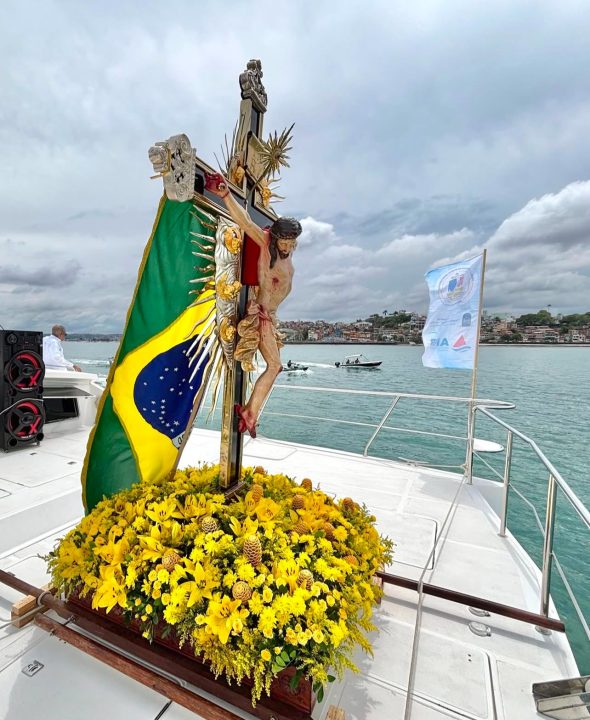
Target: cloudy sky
x,y
424,131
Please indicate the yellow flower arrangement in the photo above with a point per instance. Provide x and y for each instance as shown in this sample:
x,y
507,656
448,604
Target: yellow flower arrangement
x,y
281,577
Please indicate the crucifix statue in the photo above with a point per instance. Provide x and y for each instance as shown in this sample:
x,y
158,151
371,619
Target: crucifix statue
x,y
258,329
250,254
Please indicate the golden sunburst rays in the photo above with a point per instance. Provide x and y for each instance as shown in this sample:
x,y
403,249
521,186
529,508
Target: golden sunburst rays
x,y
205,353
273,156
274,152
209,373
206,251
205,218
206,349
232,166
228,152
267,192
215,382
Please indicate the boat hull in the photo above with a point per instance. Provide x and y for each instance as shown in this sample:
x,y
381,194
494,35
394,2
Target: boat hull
x,y
360,364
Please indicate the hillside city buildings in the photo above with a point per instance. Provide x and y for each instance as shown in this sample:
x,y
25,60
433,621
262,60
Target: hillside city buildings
x,y
403,327
376,329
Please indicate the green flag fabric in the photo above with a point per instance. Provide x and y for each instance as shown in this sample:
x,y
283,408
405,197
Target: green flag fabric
x,y
151,388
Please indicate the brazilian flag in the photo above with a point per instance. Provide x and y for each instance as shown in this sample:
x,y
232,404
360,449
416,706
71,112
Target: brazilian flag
x,y
151,388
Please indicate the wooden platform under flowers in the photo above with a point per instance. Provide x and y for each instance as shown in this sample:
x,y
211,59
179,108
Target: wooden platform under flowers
x,y
284,703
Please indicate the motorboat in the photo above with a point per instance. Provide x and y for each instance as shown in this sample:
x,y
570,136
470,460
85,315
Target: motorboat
x,y
466,628
292,367
358,361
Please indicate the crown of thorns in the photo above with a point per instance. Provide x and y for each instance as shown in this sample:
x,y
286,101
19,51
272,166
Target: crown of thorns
x,y
285,228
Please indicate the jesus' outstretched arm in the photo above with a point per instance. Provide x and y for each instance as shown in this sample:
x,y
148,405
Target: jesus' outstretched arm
x,y
217,184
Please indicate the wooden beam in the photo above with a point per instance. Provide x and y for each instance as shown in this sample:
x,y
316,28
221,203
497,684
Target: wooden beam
x,y
24,610
474,601
335,713
169,689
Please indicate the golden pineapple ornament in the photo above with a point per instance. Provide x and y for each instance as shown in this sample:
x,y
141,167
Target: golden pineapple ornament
x,y
257,492
170,559
306,484
253,550
305,579
209,524
300,527
298,502
241,591
329,530
348,504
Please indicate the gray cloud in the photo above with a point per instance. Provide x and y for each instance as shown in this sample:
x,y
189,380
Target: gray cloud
x,y
42,277
558,220
540,255
422,131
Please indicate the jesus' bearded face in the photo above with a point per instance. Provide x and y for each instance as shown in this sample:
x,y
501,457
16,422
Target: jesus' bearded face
x,y
285,246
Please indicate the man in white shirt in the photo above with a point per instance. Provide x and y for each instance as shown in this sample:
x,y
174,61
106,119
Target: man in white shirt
x,y
53,352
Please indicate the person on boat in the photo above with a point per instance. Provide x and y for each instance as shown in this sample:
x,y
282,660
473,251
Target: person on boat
x,y
53,352
289,364
258,329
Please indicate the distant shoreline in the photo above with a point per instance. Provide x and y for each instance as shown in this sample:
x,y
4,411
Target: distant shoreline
x,y
482,345
378,342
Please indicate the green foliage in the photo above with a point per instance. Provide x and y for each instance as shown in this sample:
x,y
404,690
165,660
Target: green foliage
x,y
511,337
543,317
576,319
390,321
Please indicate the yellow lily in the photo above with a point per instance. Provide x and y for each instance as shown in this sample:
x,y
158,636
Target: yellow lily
x,y
225,616
205,581
111,590
286,573
160,512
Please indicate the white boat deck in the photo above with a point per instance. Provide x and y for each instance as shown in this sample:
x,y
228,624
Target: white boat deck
x,y
458,674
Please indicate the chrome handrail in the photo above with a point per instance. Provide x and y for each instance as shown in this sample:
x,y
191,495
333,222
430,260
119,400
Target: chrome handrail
x,y
576,503
555,481
483,402
394,402
396,396
483,405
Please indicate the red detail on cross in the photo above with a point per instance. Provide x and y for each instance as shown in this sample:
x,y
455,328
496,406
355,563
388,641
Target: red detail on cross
x,y
250,262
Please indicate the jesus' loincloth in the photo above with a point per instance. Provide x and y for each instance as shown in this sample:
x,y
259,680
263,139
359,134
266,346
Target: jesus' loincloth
x,y
250,329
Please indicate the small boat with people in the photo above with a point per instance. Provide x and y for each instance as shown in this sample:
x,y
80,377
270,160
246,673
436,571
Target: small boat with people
x,y
292,367
358,361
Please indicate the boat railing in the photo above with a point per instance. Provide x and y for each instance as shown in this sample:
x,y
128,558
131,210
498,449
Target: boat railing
x,y
395,398
555,483
484,406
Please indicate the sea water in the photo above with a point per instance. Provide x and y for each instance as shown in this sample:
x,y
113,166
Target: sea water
x,y
548,386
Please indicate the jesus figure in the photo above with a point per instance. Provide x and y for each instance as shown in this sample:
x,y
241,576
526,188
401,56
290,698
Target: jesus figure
x,y
258,329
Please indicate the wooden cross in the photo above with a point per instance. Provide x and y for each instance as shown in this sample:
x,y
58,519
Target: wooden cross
x,y
251,165
247,156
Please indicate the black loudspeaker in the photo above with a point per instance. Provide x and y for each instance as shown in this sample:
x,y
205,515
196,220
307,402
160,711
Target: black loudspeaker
x,y
22,370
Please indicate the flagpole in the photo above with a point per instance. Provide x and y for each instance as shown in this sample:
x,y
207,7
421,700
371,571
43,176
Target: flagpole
x,y
471,412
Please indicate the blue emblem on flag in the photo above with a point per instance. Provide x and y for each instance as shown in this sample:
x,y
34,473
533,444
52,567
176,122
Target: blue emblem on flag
x,y
164,393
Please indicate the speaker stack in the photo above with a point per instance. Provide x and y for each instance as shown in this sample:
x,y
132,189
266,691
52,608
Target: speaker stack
x,y
22,414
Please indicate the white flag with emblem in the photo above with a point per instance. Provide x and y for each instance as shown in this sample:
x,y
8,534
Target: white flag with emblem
x,y
451,329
